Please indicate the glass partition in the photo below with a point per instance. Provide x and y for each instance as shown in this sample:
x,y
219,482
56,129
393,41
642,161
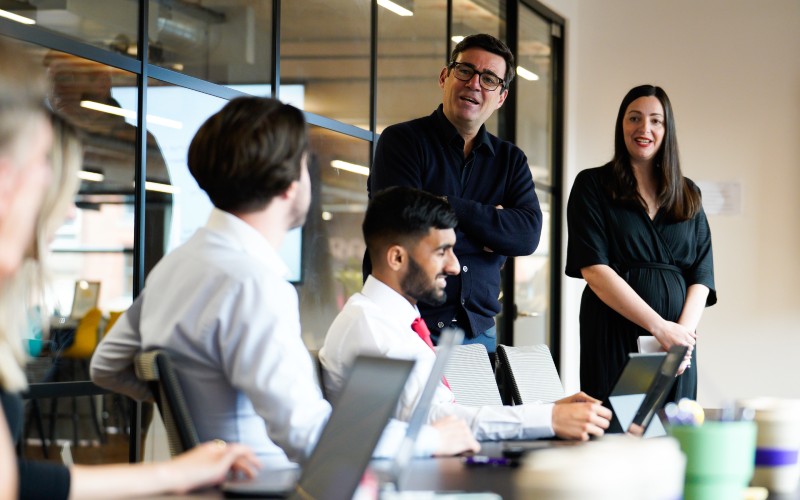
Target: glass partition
x,y
333,247
325,48
92,262
534,132
228,43
411,53
109,25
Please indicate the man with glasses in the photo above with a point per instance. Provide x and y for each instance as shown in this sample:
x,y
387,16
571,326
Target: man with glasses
x,y
486,180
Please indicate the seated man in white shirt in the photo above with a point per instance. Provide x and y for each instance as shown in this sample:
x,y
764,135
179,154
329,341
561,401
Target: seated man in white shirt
x,y
221,305
410,239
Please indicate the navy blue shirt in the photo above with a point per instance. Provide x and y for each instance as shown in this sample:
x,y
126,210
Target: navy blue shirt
x,y
428,154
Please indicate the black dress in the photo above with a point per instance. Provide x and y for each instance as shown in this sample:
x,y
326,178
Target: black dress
x,y
659,259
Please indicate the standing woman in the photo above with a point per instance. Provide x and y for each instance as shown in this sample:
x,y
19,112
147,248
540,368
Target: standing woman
x,y
639,237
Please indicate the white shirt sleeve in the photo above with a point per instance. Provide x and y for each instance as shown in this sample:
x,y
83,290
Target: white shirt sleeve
x,y
112,362
493,423
264,356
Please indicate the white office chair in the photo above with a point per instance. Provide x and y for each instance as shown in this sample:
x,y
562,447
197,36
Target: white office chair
x,y
531,372
471,377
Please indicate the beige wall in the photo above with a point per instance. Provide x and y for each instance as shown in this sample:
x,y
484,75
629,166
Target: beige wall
x,y
732,70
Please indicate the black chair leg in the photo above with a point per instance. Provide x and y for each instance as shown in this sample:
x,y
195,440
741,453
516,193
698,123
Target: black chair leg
x,y
35,414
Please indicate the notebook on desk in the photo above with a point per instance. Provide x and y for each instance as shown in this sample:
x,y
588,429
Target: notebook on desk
x,y
346,444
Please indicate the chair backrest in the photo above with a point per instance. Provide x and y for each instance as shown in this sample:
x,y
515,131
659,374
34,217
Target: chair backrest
x,y
155,368
85,340
471,377
113,316
531,372
318,368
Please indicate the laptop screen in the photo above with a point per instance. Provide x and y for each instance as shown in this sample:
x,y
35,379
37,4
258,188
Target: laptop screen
x,y
449,338
345,447
641,389
657,393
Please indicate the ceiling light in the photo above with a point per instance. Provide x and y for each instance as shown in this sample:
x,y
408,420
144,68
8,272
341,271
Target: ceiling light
x,y
527,74
350,167
113,110
457,38
397,9
91,176
327,215
160,187
16,17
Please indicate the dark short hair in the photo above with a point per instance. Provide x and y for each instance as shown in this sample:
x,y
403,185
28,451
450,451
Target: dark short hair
x,y
248,153
680,200
404,215
489,44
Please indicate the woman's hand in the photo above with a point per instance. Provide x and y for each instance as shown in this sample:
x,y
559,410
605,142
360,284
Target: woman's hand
x,y
209,464
669,333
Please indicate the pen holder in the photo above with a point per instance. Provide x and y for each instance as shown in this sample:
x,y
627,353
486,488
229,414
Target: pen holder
x,y
778,443
719,458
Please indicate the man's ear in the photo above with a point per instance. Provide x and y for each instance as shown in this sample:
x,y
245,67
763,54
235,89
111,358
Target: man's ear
x,y
442,77
503,96
290,191
396,257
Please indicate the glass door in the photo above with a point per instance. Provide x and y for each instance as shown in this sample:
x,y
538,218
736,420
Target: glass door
x,y
536,134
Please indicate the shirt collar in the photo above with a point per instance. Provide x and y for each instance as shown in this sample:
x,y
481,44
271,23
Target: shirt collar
x,y
247,238
449,135
390,301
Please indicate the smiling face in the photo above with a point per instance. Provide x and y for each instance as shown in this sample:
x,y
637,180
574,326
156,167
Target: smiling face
x,y
466,104
643,129
429,263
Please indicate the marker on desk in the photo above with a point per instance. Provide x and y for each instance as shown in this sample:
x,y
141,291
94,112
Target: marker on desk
x,y
484,461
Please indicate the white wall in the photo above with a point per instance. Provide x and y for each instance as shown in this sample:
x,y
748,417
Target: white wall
x,y
732,71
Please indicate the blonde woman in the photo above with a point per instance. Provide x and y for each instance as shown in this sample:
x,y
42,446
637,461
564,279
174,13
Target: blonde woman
x,y
31,207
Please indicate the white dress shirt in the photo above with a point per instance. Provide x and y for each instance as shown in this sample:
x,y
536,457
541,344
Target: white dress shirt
x,y
220,304
377,321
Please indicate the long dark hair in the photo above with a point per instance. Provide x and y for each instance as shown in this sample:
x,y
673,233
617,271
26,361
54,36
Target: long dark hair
x,y
679,199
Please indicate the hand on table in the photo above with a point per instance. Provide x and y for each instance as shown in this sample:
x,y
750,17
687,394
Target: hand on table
x,y
209,463
580,416
455,437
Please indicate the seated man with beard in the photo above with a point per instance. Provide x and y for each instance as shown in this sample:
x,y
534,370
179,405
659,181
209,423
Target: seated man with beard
x,y
410,237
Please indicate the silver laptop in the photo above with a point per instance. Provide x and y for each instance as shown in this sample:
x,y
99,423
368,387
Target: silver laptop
x,y
392,476
347,442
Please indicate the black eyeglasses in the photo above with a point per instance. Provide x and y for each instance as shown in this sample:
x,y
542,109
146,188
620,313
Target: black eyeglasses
x,y
464,72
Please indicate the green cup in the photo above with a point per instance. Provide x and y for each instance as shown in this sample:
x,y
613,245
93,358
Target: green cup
x,y
720,457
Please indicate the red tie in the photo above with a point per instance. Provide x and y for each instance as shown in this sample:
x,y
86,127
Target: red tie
x,y
421,329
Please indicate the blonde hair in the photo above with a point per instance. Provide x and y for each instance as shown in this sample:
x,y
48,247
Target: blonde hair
x,y
23,89
27,287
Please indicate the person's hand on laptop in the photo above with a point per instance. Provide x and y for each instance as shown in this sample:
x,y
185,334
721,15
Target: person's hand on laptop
x,y
455,437
580,416
209,464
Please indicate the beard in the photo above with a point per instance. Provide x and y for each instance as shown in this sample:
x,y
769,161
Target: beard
x,y
417,285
